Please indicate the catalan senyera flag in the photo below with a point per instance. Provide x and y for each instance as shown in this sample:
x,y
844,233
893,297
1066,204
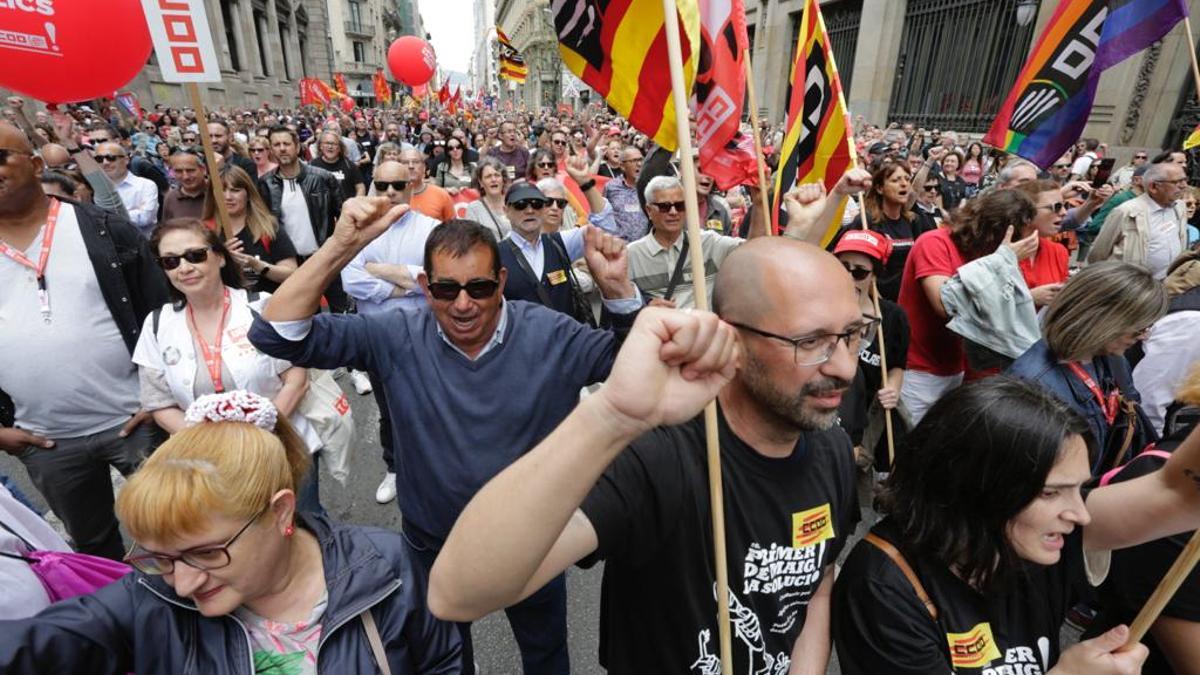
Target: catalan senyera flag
x,y
1052,98
383,91
339,84
512,65
720,89
1193,139
817,147
619,48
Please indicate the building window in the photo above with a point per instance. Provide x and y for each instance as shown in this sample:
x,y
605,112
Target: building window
x,y
303,37
260,34
285,38
228,11
360,52
356,14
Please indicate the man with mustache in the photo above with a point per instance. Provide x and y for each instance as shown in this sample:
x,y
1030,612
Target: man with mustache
x,y
609,484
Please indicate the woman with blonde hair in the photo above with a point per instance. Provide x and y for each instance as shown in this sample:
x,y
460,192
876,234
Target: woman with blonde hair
x,y
259,246
260,152
229,574
1101,312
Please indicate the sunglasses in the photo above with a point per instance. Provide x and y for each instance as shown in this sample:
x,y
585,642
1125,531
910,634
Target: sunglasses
x,y
667,207
545,165
558,142
523,204
103,159
478,289
1062,166
555,201
5,154
195,256
454,147
1139,156
933,188
1055,207
189,139
397,185
859,273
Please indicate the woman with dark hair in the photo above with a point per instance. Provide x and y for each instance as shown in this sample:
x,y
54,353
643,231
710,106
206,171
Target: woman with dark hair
x,y
542,164
983,536
1101,312
974,165
954,188
455,172
887,204
935,355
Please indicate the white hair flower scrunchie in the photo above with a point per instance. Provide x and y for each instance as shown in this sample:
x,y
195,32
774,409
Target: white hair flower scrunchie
x,y
233,406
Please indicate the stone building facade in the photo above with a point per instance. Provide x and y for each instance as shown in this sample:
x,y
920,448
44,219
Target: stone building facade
x,y
530,26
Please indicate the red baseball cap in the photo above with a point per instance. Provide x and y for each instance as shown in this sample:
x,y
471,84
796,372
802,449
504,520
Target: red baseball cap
x,y
871,244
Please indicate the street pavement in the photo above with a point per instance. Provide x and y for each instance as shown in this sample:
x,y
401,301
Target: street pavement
x,y
495,650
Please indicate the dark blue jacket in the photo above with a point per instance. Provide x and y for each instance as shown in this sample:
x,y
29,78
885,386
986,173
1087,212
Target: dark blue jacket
x,y
138,624
555,268
1039,364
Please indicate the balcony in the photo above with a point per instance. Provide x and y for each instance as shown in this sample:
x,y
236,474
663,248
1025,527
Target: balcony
x,y
357,28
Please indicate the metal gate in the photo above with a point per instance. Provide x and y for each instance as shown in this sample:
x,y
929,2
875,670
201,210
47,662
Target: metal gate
x,y
958,60
841,23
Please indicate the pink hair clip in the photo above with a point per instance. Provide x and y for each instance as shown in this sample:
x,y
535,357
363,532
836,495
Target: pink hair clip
x,y
233,406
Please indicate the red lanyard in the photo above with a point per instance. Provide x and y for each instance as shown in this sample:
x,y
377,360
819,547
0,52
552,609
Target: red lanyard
x,y
212,358
1107,405
40,268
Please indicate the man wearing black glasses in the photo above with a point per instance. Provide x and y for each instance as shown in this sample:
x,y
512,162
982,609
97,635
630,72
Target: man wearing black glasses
x,y
624,479
139,195
658,262
383,278
473,381
78,283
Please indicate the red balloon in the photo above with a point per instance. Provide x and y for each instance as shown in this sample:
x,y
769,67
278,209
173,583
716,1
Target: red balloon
x,y
61,51
412,60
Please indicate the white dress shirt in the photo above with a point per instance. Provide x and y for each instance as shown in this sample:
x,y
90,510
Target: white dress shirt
x,y
402,244
1171,351
1164,243
140,196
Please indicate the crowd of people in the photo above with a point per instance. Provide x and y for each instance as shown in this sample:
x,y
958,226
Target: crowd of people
x,y
998,355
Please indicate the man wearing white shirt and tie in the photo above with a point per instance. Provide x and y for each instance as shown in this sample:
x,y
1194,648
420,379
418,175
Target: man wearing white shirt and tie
x,y
139,195
1149,230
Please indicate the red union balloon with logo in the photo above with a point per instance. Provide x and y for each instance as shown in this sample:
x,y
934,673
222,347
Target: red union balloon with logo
x,y
61,51
412,60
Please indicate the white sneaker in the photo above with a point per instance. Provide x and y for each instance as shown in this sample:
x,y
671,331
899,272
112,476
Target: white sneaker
x,y
362,383
387,489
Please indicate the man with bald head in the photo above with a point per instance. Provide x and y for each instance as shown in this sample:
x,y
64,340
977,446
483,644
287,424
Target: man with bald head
x,y
606,486
140,195
78,283
383,278
430,199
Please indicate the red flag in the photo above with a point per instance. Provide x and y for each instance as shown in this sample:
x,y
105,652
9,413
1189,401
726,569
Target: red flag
x,y
444,93
383,92
720,88
339,83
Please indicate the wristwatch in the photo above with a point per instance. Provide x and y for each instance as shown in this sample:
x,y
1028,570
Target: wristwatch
x,y
587,185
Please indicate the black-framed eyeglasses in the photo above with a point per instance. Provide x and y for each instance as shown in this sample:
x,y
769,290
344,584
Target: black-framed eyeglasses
x,y
667,207
1055,207
397,185
813,350
478,289
204,558
523,204
857,272
5,153
195,256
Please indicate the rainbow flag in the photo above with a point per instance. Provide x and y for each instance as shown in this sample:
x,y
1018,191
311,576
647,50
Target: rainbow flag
x,y
619,48
817,147
1050,102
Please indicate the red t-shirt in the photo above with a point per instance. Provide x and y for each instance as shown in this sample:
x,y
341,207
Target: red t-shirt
x,y
933,348
1048,266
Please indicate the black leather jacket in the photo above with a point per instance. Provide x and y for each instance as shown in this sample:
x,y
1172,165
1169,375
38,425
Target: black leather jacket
x,y
321,192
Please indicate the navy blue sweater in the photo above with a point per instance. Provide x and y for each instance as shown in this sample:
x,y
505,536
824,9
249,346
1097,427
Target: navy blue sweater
x,y
458,422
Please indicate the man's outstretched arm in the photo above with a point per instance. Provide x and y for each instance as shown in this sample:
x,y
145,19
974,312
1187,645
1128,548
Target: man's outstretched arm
x,y
524,527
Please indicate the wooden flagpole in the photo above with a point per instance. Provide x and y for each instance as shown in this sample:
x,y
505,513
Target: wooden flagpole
x,y
883,369
210,158
1166,589
716,495
759,159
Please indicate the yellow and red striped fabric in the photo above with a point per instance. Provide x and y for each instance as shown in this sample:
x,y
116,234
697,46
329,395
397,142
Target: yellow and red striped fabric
x,y
619,48
817,147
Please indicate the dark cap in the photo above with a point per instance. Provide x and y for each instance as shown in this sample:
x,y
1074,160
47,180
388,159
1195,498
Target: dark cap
x,y
878,149
522,190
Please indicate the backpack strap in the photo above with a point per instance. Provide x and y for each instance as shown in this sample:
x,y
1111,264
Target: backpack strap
x,y
1112,473
907,569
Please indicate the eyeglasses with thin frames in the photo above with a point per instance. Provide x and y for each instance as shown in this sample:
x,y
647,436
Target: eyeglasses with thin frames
x,y
813,350
204,558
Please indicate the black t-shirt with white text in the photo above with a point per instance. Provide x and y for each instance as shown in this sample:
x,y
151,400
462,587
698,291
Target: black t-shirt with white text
x,y
786,520
879,625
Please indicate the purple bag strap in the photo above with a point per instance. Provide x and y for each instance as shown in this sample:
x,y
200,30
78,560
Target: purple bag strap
x,y
1112,473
